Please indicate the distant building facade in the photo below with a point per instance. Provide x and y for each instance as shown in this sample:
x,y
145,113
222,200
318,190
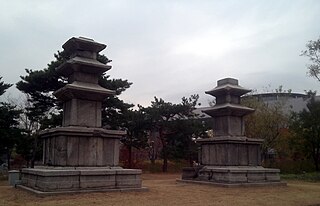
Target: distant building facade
x,y
291,102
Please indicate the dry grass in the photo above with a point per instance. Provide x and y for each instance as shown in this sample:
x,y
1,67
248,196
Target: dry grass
x,y
163,190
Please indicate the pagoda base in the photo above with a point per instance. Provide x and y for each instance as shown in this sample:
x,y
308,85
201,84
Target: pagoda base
x,y
75,146
62,180
232,176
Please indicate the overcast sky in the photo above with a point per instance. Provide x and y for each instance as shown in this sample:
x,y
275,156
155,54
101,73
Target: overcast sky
x,y
168,49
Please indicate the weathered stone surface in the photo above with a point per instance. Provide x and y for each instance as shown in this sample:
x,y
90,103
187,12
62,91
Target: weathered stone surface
x,y
81,90
74,179
230,152
84,156
230,158
83,46
228,86
13,177
231,174
81,146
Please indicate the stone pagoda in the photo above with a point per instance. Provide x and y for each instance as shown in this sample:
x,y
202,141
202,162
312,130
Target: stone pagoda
x,y
81,155
230,158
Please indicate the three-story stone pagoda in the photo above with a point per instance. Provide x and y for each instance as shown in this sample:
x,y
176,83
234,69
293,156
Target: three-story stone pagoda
x,y
81,155
230,158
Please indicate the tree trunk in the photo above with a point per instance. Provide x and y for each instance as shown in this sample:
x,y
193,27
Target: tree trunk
x,y
130,156
315,157
164,151
153,158
190,160
33,158
165,160
8,159
316,160
265,157
190,154
152,153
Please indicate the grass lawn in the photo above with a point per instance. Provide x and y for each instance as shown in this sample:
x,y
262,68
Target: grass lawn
x,y
163,190
309,177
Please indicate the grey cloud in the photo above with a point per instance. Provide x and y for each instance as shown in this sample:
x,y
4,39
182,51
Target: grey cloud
x,y
168,48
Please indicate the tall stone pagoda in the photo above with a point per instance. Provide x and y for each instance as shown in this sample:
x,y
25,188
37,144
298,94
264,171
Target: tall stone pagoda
x,y
81,155
230,158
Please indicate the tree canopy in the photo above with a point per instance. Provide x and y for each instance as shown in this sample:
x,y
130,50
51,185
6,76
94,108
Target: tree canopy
x,y
46,109
3,87
306,128
267,123
313,52
137,126
10,134
169,121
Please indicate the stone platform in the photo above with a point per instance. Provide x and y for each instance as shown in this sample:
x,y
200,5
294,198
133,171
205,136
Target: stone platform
x,y
230,185
61,180
230,176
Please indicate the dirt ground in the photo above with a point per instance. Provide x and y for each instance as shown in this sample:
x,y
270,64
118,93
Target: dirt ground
x,y
163,190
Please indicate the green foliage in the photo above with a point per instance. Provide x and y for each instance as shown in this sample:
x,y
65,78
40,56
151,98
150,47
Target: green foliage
x,y
306,128
182,143
136,126
309,177
313,52
175,125
137,136
25,146
267,122
40,84
160,114
50,121
3,87
114,109
9,131
174,166
291,166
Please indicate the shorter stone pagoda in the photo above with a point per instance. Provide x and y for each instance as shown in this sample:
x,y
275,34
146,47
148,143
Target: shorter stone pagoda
x,y
230,158
81,156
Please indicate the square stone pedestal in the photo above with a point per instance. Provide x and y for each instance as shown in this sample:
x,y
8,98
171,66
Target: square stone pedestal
x,y
62,180
232,176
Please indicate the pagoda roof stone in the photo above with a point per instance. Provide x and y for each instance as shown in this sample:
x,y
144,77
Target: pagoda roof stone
x,y
82,64
228,85
228,109
83,90
82,44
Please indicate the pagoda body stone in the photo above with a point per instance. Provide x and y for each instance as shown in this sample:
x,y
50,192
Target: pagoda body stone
x,y
81,156
230,158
